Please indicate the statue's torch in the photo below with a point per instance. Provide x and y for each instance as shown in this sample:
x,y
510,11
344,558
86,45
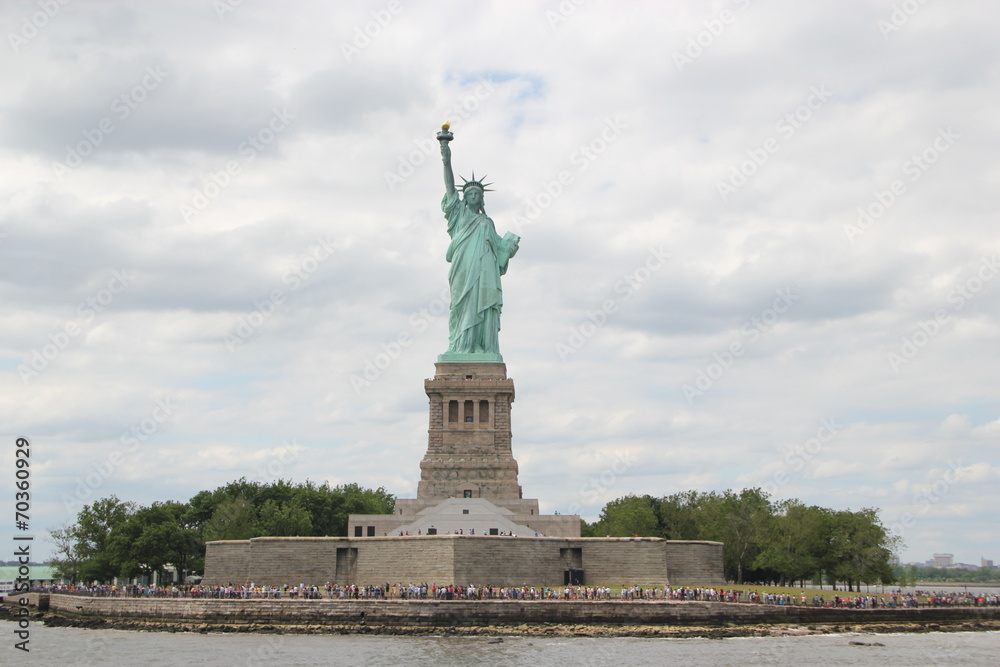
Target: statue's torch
x,y
445,135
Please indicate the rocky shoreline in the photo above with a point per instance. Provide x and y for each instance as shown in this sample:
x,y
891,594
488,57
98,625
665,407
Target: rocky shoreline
x,y
732,629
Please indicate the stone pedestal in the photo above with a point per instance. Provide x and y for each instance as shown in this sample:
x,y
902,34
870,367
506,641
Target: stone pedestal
x,y
468,478
468,445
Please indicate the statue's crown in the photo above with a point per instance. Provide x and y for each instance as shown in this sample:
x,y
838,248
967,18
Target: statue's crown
x,y
475,184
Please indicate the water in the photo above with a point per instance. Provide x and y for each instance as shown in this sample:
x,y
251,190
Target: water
x,y
78,647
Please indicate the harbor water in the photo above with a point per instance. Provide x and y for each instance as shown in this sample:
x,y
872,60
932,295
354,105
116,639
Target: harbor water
x,y
80,647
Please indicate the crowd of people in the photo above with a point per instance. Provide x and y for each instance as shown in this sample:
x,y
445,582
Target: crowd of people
x,y
423,591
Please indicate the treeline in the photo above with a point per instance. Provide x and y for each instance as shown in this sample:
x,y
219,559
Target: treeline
x,y
765,541
114,538
912,574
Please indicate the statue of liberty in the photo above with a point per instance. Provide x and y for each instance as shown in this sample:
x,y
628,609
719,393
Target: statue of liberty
x,y
478,258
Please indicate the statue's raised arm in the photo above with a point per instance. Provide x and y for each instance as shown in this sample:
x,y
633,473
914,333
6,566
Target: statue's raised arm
x,y
445,136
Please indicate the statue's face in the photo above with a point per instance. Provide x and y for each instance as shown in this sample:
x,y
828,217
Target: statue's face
x,y
474,197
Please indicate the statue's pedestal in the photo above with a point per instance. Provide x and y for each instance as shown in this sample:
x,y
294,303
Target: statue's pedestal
x,y
468,478
468,444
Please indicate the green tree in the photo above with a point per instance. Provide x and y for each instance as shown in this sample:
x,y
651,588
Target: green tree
x,y
203,505
763,541
287,519
95,524
280,491
352,499
901,580
152,538
628,516
913,574
67,560
589,529
233,519
113,538
681,515
797,540
740,522
860,549
327,507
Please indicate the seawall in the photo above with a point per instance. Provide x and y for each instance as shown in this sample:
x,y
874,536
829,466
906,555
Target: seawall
x,y
434,615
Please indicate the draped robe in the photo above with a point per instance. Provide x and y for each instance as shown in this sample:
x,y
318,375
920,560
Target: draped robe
x,y
478,258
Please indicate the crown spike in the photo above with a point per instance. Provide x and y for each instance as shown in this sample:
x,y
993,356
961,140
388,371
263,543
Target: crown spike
x,y
475,183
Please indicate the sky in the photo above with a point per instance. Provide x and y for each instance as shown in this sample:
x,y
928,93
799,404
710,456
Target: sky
x,y
758,248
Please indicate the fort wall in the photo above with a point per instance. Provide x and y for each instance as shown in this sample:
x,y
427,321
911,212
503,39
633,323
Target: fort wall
x,y
462,559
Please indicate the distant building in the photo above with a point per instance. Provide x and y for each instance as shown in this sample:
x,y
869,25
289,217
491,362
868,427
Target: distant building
x,y
40,575
985,562
943,560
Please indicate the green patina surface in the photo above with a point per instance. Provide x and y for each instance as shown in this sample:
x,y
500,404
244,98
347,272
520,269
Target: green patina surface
x,y
478,257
